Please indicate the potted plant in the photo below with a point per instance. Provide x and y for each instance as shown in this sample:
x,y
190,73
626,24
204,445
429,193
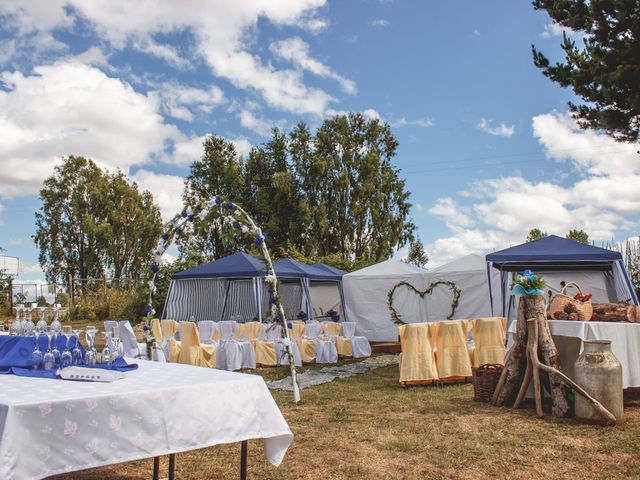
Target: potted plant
x,y
333,315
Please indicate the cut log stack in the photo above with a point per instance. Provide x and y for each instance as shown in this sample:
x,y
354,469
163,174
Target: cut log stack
x,y
534,356
615,312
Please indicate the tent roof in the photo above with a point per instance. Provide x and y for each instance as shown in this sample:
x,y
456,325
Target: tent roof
x,y
239,265
388,268
329,268
288,268
468,263
554,251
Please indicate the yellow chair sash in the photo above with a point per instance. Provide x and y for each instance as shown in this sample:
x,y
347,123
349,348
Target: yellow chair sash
x,y
192,352
417,362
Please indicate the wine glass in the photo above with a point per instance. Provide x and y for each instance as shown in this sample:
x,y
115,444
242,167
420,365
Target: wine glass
x,y
107,356
56,326
36,355
49,359
41,326
16,325
117,346
76,353
66,358
91,354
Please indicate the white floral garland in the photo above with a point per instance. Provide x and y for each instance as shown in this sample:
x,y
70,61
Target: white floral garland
x,y
232,216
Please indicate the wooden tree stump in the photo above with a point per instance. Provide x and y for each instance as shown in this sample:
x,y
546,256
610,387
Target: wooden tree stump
x,y
615,312
532,354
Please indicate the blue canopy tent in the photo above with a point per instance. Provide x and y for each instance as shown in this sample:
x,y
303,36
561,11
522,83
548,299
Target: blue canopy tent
x,y
556,254
311,275
222,289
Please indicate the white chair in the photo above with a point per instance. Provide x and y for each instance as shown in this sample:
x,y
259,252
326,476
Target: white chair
x,y
207,330
274,333
233,354
244,334
360,345
132,348
326,351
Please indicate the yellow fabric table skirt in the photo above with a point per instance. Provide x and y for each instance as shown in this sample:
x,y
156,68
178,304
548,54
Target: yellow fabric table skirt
x,y
265,352
249,330
344,346
192,352
489,336
452,356
417,361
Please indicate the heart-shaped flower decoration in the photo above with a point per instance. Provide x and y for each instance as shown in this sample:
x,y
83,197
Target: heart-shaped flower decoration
x,y
452,286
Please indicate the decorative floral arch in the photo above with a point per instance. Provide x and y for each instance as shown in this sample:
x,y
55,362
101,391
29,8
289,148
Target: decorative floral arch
x,y
232,216
456,292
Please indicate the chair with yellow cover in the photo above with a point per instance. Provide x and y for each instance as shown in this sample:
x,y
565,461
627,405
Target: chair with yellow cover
x,y
417,360
273,332
452,356
306,347
192,352
489,337
170,345
265,347
358,345
331,329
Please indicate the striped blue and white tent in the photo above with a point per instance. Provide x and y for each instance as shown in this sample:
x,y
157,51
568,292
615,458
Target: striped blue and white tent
x,y
233,288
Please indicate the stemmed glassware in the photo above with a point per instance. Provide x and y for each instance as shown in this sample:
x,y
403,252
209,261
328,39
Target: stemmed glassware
x,y
66,358
41,326
118,347
16,326
49,359
28,327
36,355
76,353
91,353
107,356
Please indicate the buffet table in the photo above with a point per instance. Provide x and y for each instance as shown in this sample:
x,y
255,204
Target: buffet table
x,y
52,426
625,344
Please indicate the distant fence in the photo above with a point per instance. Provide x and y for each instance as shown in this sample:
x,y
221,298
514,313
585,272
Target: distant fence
x,y
74,290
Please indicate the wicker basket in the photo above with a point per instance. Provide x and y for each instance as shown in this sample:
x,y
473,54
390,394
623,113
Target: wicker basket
x,y
561,300
485,378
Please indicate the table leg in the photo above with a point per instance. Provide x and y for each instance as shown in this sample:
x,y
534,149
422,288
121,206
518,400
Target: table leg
x,y
243,459
172,466
156,468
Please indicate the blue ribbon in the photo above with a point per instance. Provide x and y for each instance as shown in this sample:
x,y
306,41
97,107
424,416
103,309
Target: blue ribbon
x,y
520,290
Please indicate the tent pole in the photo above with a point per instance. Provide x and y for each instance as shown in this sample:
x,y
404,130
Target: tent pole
x,y
489,266
226,296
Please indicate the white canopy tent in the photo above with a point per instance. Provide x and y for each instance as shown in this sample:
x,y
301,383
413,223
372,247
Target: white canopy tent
x,y
365,293
469,274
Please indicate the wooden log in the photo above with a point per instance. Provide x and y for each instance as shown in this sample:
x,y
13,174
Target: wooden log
x,y
614,312
515,363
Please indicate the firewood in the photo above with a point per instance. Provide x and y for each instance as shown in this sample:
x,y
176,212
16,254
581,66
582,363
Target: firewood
x,y
615,312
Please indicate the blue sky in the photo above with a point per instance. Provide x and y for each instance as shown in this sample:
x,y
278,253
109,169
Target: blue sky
x,y
486,145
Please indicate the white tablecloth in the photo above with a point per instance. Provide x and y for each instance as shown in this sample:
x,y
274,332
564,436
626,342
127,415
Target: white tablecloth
x,y
54,426
625,343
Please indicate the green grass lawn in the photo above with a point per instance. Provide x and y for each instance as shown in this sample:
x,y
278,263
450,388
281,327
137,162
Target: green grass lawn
x,y
369,427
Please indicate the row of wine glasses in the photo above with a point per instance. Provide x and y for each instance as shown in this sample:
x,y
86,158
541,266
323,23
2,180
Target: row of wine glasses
x,y
53,358
24,325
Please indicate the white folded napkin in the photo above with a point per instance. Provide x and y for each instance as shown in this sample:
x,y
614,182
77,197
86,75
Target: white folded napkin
x,y
89,374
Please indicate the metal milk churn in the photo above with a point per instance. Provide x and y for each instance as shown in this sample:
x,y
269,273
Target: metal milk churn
x,y
599,372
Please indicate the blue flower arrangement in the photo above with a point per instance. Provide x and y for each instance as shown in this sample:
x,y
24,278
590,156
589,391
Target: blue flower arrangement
x,y
528,284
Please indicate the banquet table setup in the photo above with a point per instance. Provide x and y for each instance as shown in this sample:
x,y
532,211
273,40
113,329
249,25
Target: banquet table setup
x,y
568,336
102,408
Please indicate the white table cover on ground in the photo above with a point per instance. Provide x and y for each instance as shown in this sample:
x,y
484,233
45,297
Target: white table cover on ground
x,y
50,426
625,343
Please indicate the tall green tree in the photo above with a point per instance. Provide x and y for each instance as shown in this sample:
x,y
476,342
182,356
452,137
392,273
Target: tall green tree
x,y
358,202
92,223
131,228
416,254
578,236
218,172
605,71
73,207
536,234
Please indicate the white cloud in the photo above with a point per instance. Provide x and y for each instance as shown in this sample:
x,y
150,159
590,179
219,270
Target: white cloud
x,y
380,23
425,122
180,101
502,130
221,31
296,51
68,108
476,34
166,190
186,151
554,29
243,146
257,124
371,114
602,199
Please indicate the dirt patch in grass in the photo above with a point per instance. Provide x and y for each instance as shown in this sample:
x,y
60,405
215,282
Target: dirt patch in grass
x,y
369,427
